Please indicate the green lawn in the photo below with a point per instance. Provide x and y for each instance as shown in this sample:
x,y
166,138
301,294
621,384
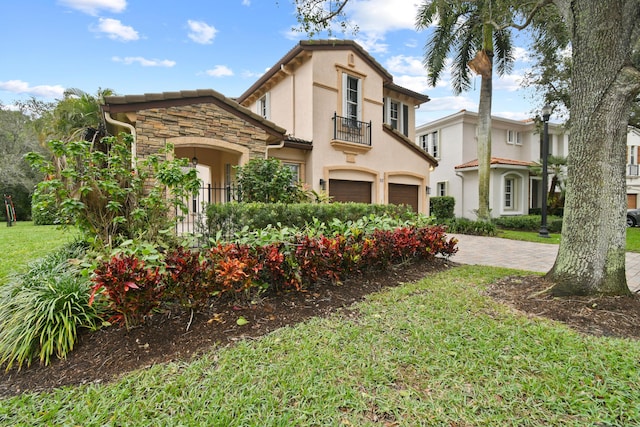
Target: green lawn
x,y
633,237
23,242
434,352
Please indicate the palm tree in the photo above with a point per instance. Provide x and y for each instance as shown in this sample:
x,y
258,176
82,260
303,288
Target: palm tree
x,y
479,34
76,112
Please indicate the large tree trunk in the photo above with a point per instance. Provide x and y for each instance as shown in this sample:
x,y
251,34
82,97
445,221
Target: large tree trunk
x,y
484,143
591,258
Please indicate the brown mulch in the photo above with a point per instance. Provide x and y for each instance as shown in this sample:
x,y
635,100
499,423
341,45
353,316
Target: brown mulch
x,y
104,355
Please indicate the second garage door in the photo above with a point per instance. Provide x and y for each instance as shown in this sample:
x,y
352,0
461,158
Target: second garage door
x,y
350,191
401,194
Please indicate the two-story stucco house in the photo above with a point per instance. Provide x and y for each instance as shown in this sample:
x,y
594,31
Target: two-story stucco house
x,y
360,124
515,146
327,109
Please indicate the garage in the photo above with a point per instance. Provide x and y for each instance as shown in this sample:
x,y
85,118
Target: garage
x,y
342,190
402,194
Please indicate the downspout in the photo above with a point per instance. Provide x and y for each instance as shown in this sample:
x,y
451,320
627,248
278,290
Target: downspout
x,y
293,91
266,151
131,128
461,176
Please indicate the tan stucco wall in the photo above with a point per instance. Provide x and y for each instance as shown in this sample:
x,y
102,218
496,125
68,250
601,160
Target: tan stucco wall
x,y
304,100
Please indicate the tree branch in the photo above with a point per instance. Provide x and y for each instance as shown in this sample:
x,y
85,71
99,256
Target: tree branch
x,y
539,5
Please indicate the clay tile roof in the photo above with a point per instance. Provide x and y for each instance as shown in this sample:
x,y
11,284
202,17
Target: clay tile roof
x,y
313,45
496,161
154,100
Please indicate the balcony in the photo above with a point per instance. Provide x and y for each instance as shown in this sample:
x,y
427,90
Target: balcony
x,y
632,170
352,131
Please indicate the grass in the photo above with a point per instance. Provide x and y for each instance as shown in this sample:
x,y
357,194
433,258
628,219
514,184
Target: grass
x,y
24,242
434,352
633,237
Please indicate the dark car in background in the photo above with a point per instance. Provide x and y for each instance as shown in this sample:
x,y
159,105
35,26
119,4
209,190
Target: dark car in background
x,y
633,217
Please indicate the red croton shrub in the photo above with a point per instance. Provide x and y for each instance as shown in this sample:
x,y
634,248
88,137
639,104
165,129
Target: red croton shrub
x,y
132,290
191,278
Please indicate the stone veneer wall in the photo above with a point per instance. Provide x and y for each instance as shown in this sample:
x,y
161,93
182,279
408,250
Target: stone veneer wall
x,y
155,126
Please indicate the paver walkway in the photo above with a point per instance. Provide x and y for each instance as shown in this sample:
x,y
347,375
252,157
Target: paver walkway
x,y
521,255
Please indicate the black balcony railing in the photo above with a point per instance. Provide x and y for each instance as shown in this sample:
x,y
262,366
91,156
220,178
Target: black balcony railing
x,y
633,170
350,130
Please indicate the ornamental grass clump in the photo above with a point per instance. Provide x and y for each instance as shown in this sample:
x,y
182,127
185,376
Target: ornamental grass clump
x,y
42,311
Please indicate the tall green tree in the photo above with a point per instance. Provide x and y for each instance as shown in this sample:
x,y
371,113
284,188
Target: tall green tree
x,y
17,138
605,81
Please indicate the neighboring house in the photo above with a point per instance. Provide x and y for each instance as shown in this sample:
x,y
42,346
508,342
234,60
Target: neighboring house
x,y
515,147
327,109
633,172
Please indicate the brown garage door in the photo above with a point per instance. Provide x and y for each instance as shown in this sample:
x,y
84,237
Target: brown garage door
x,y
350,191
401,194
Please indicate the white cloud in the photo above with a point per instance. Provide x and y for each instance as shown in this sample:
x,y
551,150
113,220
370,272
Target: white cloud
x,y
43,91
145,62
418,84
372,43
115,30
401,64
247,74
513,115
510,82
93,7
201,32
246,2
220,71
381,16
455,103
521,54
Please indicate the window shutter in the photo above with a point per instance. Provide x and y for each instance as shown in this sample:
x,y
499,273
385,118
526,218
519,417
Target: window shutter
x,y
405,120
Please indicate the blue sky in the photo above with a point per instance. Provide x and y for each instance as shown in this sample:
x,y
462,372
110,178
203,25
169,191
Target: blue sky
x,y
146,46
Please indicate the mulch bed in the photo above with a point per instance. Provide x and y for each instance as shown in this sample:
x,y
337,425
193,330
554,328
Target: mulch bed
x,y
105,355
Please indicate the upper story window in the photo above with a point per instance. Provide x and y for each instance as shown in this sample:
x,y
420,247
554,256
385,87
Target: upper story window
x,y
632,155
352,95
441,188
264,107
430,142
514,137
397,115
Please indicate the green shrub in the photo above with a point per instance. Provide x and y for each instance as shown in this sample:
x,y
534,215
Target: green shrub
x,y
528,223
41,311
268,181
108,199
467,226
225,220
442,207
43,212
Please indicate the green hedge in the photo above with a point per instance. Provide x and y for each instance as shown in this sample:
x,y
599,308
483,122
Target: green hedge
x,y
529,223
467,226
442,207
229,218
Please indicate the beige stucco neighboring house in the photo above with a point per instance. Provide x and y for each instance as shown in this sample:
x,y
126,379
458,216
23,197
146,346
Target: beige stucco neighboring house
x,y
327,109
515,146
